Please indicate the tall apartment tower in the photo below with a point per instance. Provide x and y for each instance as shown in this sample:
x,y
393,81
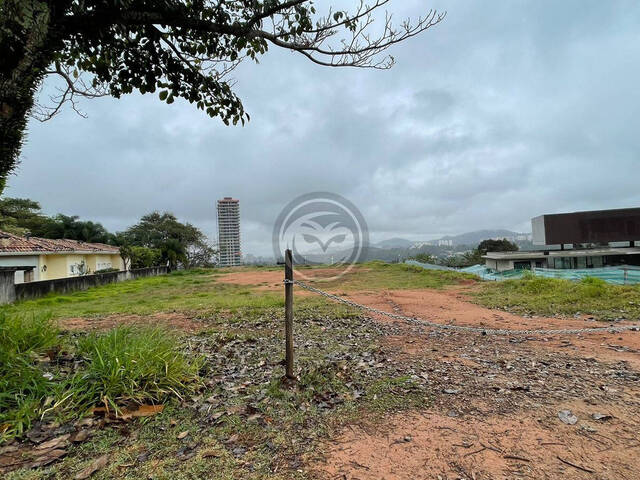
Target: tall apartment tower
x,y
229,232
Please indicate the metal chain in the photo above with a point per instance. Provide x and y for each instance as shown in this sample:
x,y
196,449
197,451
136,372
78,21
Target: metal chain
x,y
464,328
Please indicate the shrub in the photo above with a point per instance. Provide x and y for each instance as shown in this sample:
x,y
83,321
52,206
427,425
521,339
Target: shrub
x,y
592,287
107,270
129,364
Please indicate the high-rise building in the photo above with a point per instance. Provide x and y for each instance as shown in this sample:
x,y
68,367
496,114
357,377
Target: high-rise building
x,y
229,232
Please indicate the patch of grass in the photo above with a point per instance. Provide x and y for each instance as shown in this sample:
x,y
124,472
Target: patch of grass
x,y
23,388
181,291
23,333
378,275
550,296
129,364
123,366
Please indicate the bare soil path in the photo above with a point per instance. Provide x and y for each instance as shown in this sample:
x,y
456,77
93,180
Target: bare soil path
x,y
497,401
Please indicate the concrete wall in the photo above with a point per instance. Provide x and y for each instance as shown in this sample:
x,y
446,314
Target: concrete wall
x,y
499,265
10,292
20,261
7,287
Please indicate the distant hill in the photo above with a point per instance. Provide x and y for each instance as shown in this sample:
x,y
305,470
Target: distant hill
x,y
394,243
464,239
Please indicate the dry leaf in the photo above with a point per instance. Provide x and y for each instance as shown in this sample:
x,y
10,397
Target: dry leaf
x,y
48,458
236,409
210,454
98,464
217,415
128,414
60,441
182,435
141,411
80,436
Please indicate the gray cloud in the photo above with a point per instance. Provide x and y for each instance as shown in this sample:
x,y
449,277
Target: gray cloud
x,y
505,111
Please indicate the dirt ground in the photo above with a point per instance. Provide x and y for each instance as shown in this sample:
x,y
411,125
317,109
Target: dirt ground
x,y
497,400
272,280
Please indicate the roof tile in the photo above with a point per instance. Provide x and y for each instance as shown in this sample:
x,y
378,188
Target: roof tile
x,y
15,243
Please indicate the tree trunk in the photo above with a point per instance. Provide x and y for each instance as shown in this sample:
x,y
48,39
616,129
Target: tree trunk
x,y
26,50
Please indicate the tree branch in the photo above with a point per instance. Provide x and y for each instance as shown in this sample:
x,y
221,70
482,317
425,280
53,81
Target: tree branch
x,y
73,87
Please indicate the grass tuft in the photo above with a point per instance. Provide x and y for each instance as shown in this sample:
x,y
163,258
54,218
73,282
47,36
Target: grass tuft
x,y
23,388
128,364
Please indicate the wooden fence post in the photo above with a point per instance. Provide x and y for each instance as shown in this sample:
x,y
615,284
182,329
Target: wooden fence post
x,y
288,312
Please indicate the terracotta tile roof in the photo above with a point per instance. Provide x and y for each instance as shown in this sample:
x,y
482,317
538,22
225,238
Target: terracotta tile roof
x,y
14,243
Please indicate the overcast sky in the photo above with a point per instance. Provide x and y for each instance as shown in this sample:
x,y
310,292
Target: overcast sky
x,y
505,111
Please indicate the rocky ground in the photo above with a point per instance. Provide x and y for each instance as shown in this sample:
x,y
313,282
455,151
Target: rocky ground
x,y
504,406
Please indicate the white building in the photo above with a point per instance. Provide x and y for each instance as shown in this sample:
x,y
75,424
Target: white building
x,y
229,232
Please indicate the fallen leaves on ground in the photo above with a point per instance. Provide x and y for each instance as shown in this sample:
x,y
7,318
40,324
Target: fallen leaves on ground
x,y
98,464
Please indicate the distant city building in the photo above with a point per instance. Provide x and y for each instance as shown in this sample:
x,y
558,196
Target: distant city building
x,y
229,232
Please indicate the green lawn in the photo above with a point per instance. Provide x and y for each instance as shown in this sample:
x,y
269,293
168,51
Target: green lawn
x,y
182,291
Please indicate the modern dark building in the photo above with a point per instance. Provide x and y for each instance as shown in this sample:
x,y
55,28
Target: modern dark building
x,y
578,240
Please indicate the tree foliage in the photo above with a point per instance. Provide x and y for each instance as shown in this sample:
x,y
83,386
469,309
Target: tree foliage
x,y
23,216
140,257
474,257
71,227
164,233
424,258
20,215
503,245
172,48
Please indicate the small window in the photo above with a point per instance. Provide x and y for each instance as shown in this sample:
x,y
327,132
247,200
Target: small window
x,y
522,265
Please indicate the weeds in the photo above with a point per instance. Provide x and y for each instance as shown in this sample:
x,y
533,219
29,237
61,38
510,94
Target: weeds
x,y
123,366
23,388
27,332
551,296
136,365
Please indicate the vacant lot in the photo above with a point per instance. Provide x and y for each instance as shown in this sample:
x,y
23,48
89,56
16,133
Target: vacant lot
x,y
376,398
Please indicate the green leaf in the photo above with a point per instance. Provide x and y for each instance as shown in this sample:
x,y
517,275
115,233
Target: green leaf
x,y
163,95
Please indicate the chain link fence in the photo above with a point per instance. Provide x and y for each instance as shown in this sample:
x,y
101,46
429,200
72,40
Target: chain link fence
x,y
466,328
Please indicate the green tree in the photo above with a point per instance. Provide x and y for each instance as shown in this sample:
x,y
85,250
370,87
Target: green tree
x,y
200,254
503,245
140,257
163,231
454,261
20,216
174,48
424,258
65,226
